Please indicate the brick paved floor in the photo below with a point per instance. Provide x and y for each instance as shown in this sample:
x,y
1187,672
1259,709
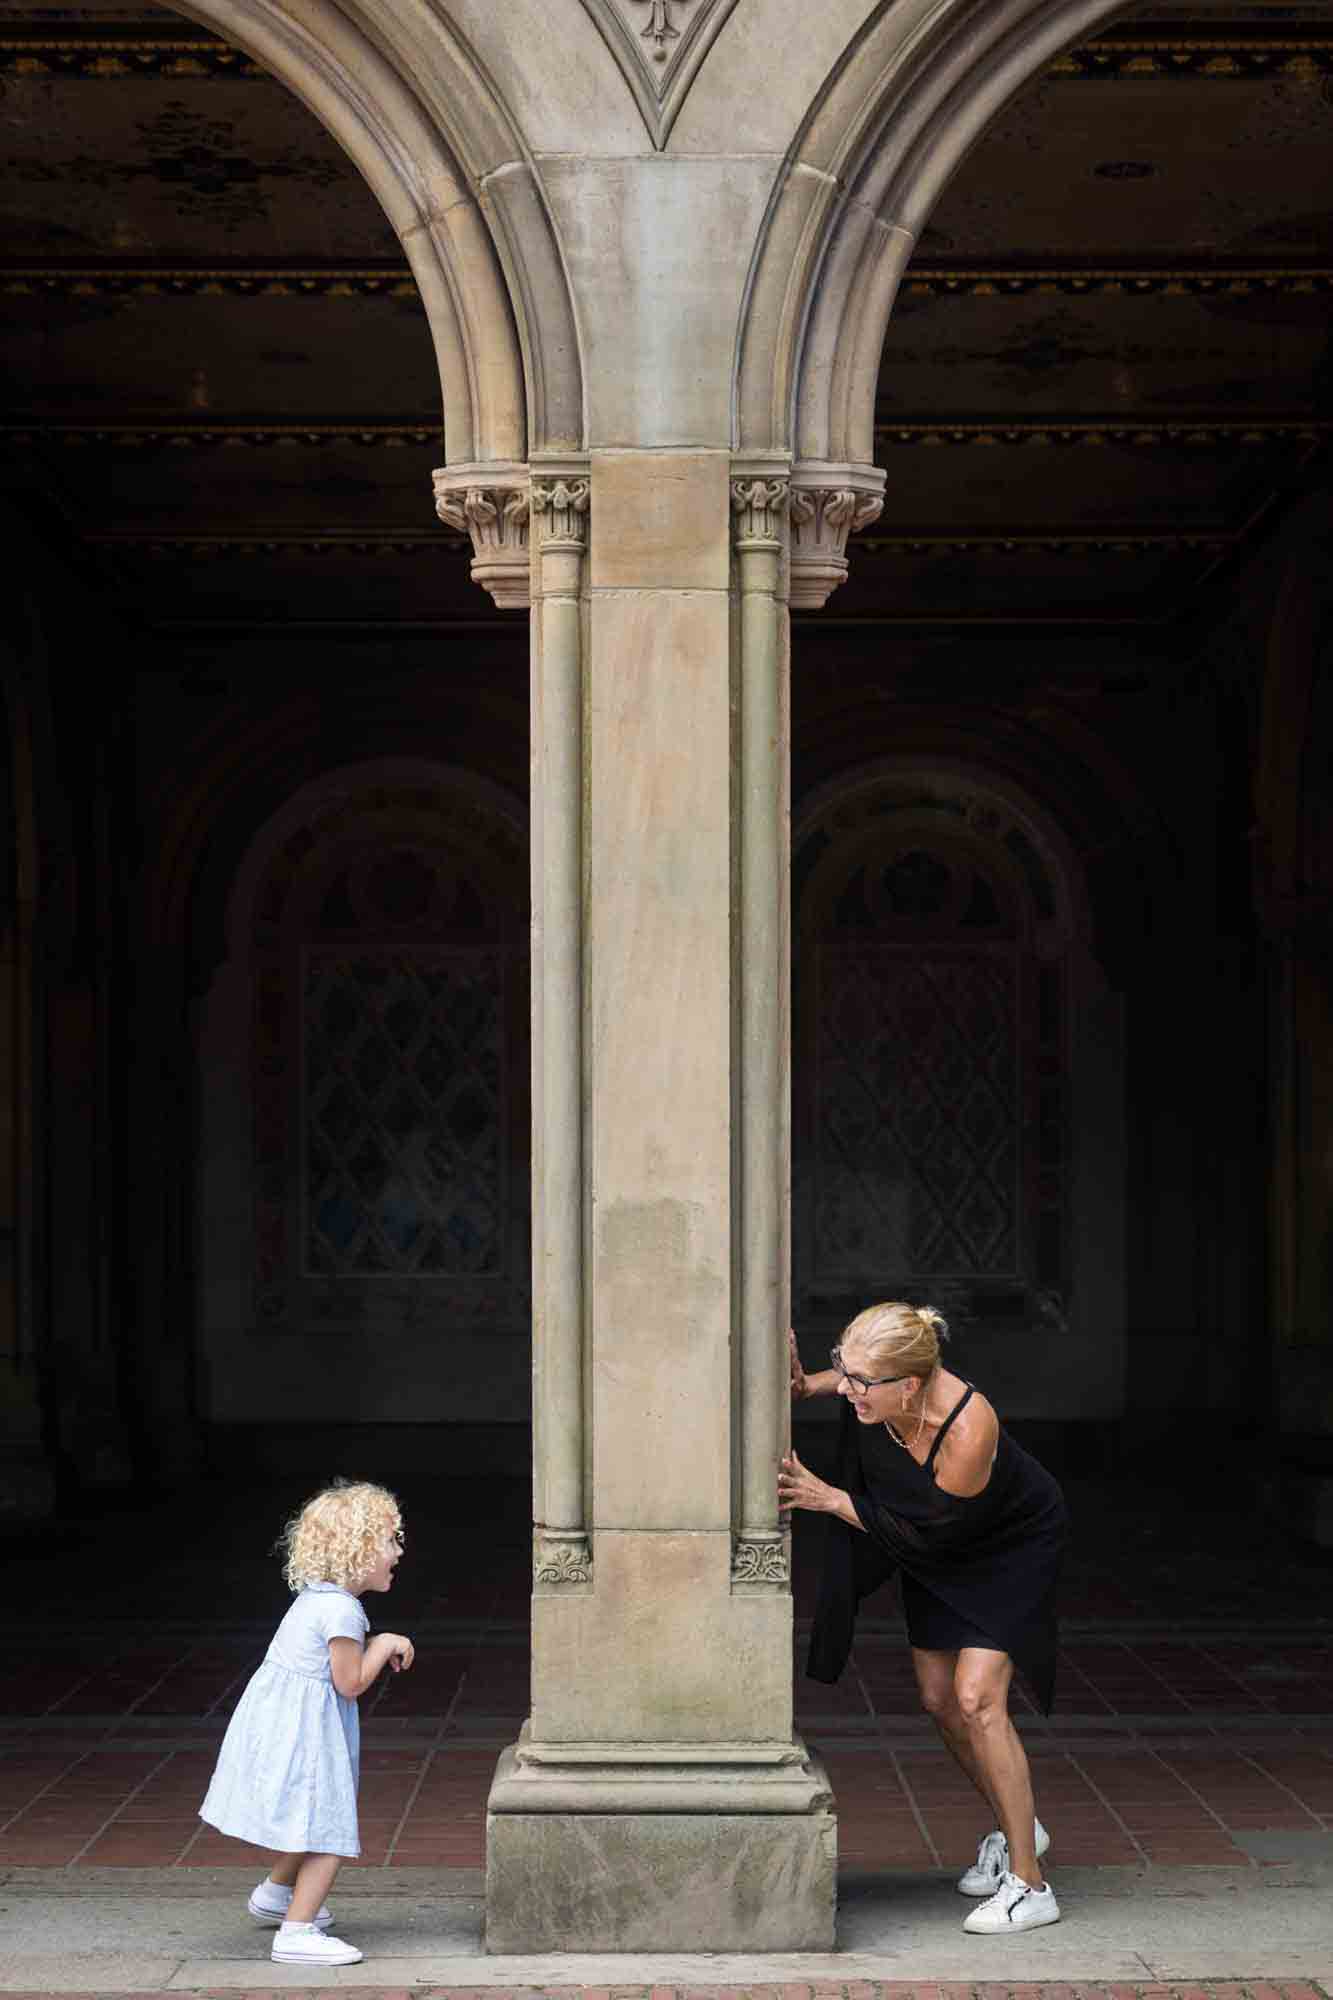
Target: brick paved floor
x,y
1194,1721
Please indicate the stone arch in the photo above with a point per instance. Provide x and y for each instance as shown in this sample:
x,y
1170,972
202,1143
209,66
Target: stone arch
x,y
957,1071
430,135
363,1183
910,98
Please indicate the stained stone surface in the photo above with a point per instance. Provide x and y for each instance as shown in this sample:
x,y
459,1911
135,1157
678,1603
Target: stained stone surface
x,y
660,1882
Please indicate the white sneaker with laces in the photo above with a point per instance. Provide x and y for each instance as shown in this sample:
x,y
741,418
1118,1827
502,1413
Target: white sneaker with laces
x,y
1015,1906
270,1901
983,1878
302,1944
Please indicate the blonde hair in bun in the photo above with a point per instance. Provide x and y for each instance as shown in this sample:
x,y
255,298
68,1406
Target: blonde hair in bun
x,y
898,1339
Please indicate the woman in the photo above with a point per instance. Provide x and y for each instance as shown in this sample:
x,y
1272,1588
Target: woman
x,y
934,1489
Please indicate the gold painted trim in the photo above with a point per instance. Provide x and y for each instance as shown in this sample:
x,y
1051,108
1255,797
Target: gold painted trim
x,y
1188,51
411,542
1108,276
1183,432
351,541
925,278
1198,433
109,278
1048,542
210,436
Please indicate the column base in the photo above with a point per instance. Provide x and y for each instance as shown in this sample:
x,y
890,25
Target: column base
x,y
660,1847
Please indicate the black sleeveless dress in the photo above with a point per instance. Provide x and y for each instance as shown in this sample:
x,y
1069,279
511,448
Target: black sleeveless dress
x,y
978,1571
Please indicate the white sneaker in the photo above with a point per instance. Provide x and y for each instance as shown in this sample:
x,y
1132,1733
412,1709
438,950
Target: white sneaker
x,y
1015,1906
991,1866
270,1901
302,1944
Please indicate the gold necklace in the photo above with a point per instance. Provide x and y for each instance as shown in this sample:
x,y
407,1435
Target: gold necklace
x,y
920,1430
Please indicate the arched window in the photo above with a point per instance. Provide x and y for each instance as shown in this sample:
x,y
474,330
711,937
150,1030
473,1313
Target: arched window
x,y
931,1022
369,1173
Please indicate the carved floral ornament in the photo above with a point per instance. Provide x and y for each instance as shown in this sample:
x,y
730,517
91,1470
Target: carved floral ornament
x,y
828,503
758,508
500,507
561,508
496,506
491,504
561,1557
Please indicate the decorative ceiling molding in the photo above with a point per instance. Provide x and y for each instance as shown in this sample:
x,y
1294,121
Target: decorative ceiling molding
x,y
1047,542
1199,52
659,46
1184,433
350,541
1218,277
927,277
114,277
90,54
216,437
1181,433
410,542
681,32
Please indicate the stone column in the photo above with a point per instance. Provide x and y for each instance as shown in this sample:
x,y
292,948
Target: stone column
x,y
559,533
759,498
657,1798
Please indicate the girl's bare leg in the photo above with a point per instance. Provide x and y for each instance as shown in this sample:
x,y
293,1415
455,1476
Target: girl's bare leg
x,y
283,1872
314,1879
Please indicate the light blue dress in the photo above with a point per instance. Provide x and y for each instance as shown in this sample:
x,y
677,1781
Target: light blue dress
x,y
287,1771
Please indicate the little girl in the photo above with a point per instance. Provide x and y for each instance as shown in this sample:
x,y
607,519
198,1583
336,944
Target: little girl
x,y
287,1771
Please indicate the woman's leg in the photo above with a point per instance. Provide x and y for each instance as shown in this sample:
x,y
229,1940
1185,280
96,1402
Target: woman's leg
x,y
314,1879
935,1679
981,1689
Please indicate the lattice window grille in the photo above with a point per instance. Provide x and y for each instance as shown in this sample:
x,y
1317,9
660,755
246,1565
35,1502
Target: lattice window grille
x,y
403,1120
919,1100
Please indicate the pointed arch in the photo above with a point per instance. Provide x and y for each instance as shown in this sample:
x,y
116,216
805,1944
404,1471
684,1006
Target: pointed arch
x,y
910,97
431,136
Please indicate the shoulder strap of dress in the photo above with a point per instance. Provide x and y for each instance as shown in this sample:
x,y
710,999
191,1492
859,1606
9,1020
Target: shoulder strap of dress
x,y
943,1430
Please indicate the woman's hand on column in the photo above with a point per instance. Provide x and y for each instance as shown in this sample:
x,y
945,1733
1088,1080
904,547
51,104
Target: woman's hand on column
x,y
799,1386
799,1487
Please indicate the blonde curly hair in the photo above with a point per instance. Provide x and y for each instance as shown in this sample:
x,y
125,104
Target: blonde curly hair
x,y
338,1534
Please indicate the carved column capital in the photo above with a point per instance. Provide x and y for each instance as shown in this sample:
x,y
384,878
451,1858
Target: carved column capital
x,y
490,503
759,508
828,503
560,502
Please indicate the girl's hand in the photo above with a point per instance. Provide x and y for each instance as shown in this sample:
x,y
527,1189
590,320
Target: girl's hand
x,y
799,1386
798,1487
401,1652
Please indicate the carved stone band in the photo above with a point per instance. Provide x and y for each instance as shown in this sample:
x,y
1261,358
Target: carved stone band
x,y
561,1556
828,503
759,1559
491,504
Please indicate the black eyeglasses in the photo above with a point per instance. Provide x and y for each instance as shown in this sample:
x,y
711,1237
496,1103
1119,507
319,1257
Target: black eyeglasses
x,y
861,1383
